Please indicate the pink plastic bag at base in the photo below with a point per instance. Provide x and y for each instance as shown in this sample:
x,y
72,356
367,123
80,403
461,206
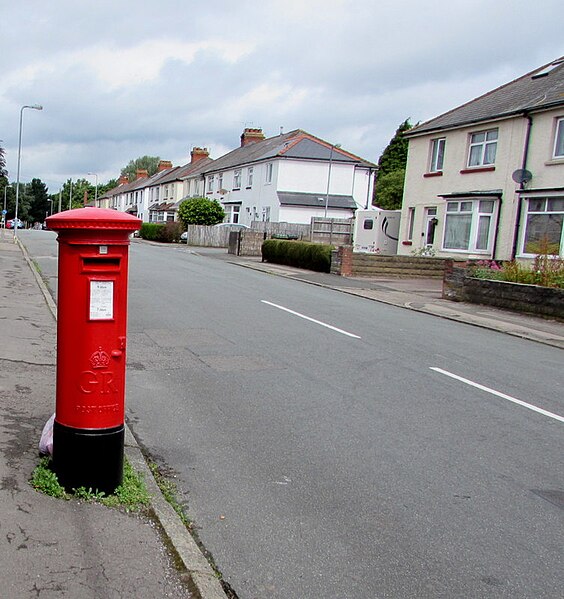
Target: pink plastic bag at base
x,y
46,441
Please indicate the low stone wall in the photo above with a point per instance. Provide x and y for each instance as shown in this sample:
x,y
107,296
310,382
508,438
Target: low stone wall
x,y
531,299
349,264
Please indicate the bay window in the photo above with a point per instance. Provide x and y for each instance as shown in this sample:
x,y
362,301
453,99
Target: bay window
x,y
469,225
544,229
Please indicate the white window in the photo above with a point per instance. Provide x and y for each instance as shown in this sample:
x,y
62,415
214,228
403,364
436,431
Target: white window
x,y
220,182
544,229
210,183
232,213
410,223
171,191
437,155
165,195
469,225
237,179
250,177
157,191
559,139
483,147
188,187
269,172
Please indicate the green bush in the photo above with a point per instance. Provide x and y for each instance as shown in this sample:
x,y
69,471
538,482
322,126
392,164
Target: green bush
x,y
301,254
151,231
165,232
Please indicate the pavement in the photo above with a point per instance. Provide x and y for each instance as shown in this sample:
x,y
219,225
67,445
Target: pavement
x,y
56,548
51,548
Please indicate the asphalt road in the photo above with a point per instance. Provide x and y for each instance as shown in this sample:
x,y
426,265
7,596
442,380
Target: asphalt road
x,y
336,462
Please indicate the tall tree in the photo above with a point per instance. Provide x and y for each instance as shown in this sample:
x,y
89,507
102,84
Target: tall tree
x,y
388,190
149,163
3,171
39,206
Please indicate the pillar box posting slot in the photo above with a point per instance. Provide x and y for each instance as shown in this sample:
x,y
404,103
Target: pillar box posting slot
x,y
88,434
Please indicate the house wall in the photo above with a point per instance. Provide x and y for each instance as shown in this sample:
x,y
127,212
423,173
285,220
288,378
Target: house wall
x,y
422,189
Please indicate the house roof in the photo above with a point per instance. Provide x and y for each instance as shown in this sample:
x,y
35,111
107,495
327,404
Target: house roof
x,y
291,198
191,169
295,144
538,90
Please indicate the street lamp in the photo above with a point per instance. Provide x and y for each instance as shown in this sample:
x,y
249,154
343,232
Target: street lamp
x,y
333,146
33,107
96,191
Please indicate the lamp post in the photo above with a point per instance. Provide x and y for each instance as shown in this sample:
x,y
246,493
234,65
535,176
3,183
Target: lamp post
x,y
33,107
333,146
96,190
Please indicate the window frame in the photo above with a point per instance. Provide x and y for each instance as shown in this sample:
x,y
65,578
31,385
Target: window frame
x,y
558,137
236,179
269,172
477,216
545,211
250,174
211,180
483,145
437,152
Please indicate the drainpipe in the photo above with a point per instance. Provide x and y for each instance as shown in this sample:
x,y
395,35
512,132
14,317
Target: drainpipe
x,y
522,184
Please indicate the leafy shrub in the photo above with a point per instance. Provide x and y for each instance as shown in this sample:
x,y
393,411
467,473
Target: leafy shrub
x,y
545,271
301,254
151,231
171,232
165,232
200,211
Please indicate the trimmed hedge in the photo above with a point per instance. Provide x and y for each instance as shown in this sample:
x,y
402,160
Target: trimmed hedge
x,y
163,232
301,254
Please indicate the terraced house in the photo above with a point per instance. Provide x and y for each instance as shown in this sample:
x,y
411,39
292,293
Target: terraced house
x,y
486,179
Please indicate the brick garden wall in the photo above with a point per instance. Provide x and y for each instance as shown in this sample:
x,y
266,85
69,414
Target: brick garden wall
x,y
531,299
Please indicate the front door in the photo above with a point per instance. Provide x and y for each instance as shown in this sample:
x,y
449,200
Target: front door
x,y
430,225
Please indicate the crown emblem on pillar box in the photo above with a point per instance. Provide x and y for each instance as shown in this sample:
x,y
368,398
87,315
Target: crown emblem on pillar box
x,y
99,359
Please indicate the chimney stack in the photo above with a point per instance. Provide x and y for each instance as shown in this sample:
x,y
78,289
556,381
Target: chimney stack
x,y
198,154
123,180
251,136
164,165
141,173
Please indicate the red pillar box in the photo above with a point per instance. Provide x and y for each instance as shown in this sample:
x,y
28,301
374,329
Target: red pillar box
x,y
88,435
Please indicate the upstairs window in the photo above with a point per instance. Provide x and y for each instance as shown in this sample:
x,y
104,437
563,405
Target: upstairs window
x,y
210,183
483,147
269,172
250,177
437,155
559,139
220,182
237,179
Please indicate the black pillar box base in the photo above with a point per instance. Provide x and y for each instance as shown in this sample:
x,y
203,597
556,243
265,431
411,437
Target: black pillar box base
x,y
90,458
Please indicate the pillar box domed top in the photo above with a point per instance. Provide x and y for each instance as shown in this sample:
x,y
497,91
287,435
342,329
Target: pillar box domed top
x,y
93,225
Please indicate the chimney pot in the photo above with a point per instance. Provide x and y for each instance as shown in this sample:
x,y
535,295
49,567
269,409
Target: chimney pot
x,y
198,154
251,136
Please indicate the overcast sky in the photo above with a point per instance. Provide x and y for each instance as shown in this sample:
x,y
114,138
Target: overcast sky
x,y
121,79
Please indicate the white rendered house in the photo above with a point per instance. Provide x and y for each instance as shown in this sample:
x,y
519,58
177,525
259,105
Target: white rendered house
x,y
486,179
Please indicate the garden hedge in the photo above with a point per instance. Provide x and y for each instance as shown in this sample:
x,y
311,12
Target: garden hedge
x,y
301,254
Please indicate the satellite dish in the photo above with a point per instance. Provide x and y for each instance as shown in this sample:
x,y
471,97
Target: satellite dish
x,y
522,175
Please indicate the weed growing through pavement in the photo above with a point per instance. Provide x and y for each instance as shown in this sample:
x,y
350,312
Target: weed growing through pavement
x,y
131,495
170,492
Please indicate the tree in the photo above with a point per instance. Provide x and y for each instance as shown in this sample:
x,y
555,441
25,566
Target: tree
x,y
3,171
200,211
39,206
388,190
394,156
149,163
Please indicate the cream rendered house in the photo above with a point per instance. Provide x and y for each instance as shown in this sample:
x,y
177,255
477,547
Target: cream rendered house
x,y
486,179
